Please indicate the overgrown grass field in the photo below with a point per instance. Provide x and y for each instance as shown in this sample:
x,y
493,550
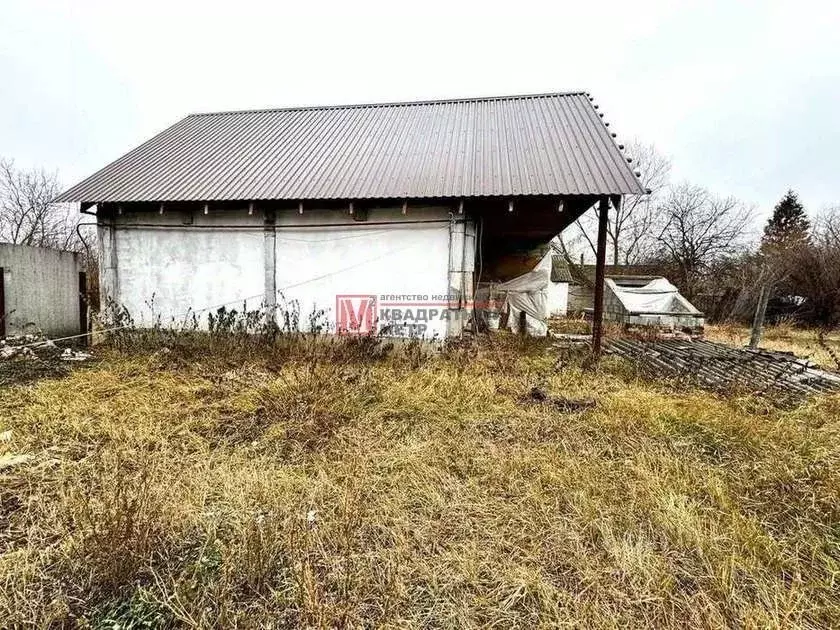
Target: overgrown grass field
x,y
337,485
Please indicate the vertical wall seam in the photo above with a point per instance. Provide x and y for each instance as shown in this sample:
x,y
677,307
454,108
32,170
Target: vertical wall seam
x,y
270,258
109,287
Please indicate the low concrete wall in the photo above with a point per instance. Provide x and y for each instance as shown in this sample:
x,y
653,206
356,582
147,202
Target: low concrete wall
x,y
41,290
580,298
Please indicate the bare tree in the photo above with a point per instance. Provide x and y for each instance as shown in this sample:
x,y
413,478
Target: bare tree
x,y
27,216
631,228
828,226
698,230
813,272
733,291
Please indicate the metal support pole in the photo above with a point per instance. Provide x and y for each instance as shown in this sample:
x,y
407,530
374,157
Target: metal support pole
x,y
600,269
83,306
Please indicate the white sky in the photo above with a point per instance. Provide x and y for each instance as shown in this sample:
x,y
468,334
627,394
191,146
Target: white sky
x,y
744,97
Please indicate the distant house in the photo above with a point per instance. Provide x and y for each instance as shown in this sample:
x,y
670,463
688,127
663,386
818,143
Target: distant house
x,y
358,218
41,290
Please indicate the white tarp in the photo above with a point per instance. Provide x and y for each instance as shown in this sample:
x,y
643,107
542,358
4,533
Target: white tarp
x,y
528,293
657,296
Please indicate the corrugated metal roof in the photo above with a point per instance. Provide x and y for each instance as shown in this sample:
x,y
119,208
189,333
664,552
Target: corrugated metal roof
x,y
548,144
560,269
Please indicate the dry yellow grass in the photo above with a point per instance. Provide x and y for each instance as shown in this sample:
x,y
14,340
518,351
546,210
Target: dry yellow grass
x,y
329,489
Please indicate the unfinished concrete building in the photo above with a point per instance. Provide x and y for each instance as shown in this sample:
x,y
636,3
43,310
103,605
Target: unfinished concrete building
x,y
380,217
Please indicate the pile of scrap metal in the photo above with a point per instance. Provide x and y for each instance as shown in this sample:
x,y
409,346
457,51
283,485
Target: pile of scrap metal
x,y
721,367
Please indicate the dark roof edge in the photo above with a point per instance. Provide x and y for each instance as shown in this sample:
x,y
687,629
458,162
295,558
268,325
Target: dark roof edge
x,y
442,101
347,198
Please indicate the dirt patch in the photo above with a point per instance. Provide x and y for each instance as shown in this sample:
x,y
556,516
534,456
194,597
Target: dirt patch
x,y
28,358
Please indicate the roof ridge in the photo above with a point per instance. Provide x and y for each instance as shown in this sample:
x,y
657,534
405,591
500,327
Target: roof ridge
x,y
440,101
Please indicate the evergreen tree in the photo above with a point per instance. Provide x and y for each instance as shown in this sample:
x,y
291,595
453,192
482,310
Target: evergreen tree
x,y
787,227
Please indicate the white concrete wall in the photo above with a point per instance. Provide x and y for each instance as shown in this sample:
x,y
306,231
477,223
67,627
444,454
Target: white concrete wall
x,y
558,298
389,254
227,256
41,289
169,269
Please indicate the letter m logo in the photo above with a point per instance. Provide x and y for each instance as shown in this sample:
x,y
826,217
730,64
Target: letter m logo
x,y
355,314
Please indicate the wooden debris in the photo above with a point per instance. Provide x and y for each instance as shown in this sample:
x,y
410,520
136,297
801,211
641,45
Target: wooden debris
x,y
562,404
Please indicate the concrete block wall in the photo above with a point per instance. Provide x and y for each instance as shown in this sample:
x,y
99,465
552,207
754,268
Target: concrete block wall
x,y
40,290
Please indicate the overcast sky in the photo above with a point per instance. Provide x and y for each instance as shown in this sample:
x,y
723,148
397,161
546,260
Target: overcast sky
x,y
743,97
